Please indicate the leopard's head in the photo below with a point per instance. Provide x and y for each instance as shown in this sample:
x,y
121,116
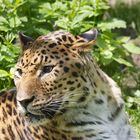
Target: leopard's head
x,y
51,76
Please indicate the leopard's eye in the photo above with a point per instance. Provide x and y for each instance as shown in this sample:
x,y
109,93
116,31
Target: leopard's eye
x,y
18,72
47,69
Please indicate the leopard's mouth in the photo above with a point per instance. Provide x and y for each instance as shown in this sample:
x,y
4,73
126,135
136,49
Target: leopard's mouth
x,y
33,118
39,113
45,114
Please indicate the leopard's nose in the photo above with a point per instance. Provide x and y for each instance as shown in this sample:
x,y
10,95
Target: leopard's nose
x,y
26,102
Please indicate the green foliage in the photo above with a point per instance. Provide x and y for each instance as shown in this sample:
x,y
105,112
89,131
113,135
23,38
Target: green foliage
x,y
113,51
128,12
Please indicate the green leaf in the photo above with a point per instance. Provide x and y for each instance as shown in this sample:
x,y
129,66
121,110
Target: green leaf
x,y
63,23
101,42
122,61
4,73
3,24
14,22
81,17
137,93
4,28
130,99
3,20
24,19
124,39
107,54
11,74
115,23
132,48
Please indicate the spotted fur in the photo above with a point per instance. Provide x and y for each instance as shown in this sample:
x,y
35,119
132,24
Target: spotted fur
x,y
62,94
12,125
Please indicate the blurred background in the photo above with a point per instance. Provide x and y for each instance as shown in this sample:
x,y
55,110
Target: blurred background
x,y
117,50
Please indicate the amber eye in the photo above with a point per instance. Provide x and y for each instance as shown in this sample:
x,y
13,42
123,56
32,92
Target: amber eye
x,y
47,69
19,71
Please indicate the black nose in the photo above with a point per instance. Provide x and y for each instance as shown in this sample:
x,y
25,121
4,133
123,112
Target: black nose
x,y
26,102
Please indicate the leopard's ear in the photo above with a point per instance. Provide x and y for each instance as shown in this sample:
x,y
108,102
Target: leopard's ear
x,y
25,41
86,40
90,35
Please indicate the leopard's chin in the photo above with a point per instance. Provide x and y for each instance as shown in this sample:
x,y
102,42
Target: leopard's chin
x,y
39,118
33,119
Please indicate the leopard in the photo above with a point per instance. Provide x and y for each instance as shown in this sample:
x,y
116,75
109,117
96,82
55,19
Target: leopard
x,y
62,93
